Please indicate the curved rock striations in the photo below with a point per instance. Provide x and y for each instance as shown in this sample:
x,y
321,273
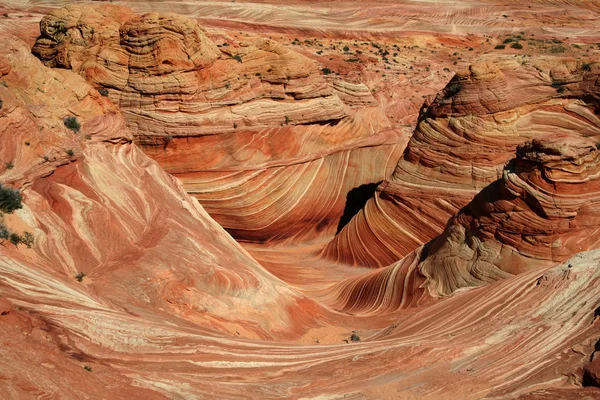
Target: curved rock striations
x,y
253,129
98,206
545,209
461,144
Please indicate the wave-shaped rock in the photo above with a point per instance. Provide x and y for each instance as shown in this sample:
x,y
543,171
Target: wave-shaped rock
x,y
97,205
542,211
242,125
461,144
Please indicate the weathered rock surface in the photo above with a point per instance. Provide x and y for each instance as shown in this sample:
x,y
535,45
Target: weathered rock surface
x,y
108,211
461,145
172,307
541,212
245,117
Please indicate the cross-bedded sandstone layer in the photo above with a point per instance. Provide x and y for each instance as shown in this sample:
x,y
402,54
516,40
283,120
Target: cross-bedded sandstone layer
x,y
244,117
172,307
541,212
461,145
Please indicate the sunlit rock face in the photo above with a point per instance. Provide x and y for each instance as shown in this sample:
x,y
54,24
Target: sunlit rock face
x,y
461,144
253,130
544,210
97,205
132,290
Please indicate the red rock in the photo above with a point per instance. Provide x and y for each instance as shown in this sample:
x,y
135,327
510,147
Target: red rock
x,y
5,306
250,117
459,146
172,306
592,372
543,211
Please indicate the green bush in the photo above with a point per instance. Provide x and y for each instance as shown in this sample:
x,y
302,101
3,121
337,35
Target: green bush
x,y
27,239
72,124
9,165
517,46
238,58
70,152
103,92
557,49
326,71
500,47
10,199
15,239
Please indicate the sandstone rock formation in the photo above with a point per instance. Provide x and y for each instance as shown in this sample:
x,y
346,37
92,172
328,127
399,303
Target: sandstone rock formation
x,y
132,290
541,212
245,117
97,205
461,144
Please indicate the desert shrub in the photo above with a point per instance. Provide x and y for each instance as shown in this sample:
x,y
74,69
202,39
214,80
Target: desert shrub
x,y
1,104
586,66
15,238
326,71
557,49
516,45
10,199
500,47
9,165
80,277
355,337
27,239
508,40
70,152
72,124
287,120
103,92
4,232
238,58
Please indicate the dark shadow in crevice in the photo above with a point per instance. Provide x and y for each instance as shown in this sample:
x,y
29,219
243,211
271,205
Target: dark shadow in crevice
x,y
355,201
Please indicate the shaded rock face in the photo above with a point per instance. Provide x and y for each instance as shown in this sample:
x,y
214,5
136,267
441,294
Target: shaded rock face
x,y
244,118
461,144
542,211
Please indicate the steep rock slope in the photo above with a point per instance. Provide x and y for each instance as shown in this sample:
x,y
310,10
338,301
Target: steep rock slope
x,y
253,129
461,144
97,205
543,210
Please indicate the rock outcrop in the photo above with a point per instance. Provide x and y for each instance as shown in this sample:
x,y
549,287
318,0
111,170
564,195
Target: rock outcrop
x,y
102,211
461,145
253,129
543,210
130,289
